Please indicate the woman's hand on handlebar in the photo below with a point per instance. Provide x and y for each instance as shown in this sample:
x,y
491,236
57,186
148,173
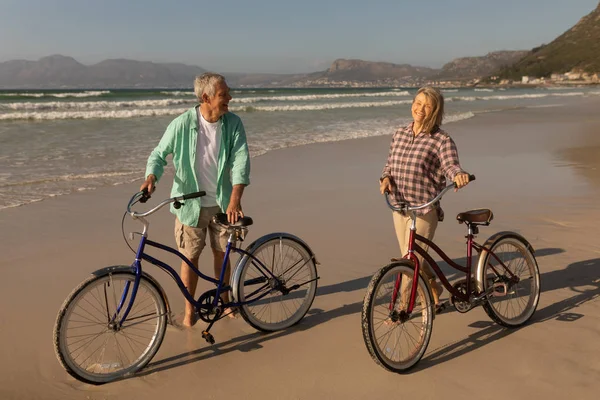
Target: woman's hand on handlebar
x,y
461,179
385,185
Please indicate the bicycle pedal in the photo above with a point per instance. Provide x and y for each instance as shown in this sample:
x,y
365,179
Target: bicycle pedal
x,y
208,337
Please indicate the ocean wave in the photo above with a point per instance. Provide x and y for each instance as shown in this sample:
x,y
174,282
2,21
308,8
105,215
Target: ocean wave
x,y
113,114
309,97
89,93
69,177
157,112
178,93
358,133
317,107
483,90
514,96
91,105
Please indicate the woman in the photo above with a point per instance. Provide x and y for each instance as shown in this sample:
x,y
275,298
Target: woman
x,y
421,157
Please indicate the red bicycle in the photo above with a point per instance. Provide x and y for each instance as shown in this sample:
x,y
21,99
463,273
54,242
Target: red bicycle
x,y
398,311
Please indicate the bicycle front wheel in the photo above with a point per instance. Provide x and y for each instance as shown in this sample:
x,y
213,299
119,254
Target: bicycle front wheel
x,y
511,257
396,340
278,285
88,342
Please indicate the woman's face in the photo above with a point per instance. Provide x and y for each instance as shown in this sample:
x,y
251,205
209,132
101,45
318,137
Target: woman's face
x,y
422,108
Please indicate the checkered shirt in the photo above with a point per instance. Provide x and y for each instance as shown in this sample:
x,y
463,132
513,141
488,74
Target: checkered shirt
x,y
419,165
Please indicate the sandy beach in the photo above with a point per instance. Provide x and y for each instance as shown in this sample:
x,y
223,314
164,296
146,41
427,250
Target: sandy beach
x,y
538,169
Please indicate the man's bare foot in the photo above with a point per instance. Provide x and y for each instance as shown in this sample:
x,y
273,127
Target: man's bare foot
x,y
230,312
189,320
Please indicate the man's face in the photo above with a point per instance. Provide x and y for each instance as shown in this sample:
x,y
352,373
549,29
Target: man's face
x,y
219,103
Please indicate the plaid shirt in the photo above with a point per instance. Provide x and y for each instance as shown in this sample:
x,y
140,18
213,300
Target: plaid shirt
x,y
419,165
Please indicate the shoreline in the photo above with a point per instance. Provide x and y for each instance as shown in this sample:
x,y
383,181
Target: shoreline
x,y
585,101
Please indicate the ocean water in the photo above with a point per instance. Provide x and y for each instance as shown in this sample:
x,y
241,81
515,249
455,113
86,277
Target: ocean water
x,y
57,142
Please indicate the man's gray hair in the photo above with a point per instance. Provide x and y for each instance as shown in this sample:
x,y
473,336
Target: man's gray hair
x,y
206,84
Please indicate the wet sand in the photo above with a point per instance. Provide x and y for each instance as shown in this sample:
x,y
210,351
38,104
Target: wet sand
x,y
537,169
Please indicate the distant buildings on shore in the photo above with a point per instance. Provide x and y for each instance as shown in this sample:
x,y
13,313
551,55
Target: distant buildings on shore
x,y
569,78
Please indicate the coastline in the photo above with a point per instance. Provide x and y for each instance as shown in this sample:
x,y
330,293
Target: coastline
x,y
536,169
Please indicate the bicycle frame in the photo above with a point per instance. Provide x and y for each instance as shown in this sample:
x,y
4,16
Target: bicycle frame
x,y
413,247
141,255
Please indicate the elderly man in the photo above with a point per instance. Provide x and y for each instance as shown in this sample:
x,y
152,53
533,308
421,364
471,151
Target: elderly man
x,y
210,153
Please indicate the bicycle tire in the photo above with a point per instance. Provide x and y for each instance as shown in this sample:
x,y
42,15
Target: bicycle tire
x,y
292,263
516,253
376,317
102,293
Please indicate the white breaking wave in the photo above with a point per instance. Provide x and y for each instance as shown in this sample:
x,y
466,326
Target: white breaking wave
x,y
90,105
309,97
484,90
178,93
515,96
341,136
71,177
90,93
117,114
153,112
314,107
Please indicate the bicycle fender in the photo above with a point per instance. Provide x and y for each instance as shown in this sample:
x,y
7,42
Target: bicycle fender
x,y
260,241
131,269
484,254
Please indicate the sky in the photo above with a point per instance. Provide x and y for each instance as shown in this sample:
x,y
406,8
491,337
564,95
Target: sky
x,y
280,36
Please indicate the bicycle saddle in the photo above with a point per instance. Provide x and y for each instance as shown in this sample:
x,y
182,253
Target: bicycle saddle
x,y
221,219
480,216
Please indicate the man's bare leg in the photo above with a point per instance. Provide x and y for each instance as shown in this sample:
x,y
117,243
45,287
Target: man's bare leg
x,y
190,281
219,256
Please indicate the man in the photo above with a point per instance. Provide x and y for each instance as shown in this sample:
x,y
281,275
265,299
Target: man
x,y
210,153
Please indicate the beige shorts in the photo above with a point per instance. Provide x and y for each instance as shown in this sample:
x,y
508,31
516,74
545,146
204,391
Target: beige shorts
x,y
192,240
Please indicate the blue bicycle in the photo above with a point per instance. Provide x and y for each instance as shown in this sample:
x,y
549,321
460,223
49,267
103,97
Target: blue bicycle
x,y
113,323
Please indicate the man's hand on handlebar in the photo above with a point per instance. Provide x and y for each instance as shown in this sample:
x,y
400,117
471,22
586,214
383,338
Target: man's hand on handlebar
x,y
149,184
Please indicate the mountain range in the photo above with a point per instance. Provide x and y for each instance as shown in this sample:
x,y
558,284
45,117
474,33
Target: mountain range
x,y
576,49
58,71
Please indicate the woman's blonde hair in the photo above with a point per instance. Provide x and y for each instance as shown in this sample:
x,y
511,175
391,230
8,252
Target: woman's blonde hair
x,y
434,121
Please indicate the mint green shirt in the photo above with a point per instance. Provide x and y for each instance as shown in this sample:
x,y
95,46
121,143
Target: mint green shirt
x,y
179,140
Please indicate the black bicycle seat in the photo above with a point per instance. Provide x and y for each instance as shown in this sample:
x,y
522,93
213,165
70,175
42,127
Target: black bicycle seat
x,y
221,219
481,216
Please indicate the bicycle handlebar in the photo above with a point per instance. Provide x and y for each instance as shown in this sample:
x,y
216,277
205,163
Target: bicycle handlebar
x,y
143,196
406,207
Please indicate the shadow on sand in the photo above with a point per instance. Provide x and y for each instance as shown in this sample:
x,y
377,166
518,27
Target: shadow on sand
x,y
574,276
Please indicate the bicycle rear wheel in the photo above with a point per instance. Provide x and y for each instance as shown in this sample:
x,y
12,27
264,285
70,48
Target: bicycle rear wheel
x,y
395,340
520,301
274,304
90,346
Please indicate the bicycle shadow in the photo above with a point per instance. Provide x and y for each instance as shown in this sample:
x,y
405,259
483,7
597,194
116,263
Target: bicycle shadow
x,y
575,276
314,317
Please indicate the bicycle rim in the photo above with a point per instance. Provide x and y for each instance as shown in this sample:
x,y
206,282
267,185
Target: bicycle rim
x,y
269,309
92,350
395,344
521,299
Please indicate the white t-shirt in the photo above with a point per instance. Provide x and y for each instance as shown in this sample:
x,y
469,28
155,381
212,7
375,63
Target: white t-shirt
x,y
207,158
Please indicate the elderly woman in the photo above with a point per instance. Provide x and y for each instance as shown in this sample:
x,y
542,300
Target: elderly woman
x,y
421,157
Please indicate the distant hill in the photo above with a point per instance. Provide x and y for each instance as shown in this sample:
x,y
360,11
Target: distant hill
x,y
60,71
576,49
466,68
360,70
